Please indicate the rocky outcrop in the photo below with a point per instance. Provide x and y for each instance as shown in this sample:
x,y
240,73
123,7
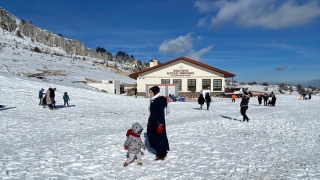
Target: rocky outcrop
x,y
9,22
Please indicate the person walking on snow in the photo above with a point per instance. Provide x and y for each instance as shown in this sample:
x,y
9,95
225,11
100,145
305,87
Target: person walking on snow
x,y
273,100
201,101
41,96
134,144
265,98
52,96
156,127
260,99
244,106
233,98
208,100
66,99
48,99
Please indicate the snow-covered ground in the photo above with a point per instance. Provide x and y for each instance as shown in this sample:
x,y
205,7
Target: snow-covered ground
x,y
86,140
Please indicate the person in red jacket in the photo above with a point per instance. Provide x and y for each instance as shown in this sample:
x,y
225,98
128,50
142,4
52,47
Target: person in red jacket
x,y
233,98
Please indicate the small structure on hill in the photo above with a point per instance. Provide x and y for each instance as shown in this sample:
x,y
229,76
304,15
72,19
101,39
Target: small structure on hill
x,y
109,86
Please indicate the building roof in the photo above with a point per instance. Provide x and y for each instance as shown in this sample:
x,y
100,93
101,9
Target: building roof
x,y
225,73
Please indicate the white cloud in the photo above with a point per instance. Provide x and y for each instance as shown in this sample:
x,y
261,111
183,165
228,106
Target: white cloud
x,y
202,22
281,68
204,6
176,46
269,14
181,45
196,55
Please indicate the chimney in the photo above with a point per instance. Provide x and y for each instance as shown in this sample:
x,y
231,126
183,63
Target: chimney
x,y
153,62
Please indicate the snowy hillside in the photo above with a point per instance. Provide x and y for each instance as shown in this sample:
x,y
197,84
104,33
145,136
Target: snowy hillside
x,y
18,57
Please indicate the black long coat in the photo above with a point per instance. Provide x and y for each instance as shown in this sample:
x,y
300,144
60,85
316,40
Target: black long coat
x,y
201,100
159,142
273,100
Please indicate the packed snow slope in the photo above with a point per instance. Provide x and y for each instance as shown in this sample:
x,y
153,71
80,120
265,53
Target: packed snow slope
x,y
85,141
17,57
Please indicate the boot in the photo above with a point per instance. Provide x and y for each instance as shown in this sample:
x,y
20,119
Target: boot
x,y
139,163
125,164
157,159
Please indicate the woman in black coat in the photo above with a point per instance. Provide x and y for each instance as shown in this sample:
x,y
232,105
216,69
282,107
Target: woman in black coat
x,y
260,99
201,101
156,129
273,100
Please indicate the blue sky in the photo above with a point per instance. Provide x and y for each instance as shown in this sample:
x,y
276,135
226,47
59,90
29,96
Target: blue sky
x,y
258,40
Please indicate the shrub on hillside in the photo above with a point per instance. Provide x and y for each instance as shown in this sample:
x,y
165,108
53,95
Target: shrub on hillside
x,y
18,33
291,89
36,49
265,84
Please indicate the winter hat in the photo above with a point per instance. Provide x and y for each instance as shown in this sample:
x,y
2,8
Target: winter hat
x,y
155,89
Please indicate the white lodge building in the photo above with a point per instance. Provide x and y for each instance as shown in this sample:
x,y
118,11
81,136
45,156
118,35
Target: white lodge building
x,y
190,77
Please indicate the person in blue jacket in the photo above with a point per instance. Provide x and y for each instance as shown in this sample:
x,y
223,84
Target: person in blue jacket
x,y
66,99
156,127
41,96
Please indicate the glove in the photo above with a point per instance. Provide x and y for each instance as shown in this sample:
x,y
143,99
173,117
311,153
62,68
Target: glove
x,y
159,129
126,147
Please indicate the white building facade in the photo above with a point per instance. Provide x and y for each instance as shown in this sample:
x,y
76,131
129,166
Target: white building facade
x,y
189,75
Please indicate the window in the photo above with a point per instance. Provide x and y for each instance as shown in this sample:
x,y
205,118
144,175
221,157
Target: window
x,y
177,81
165,81
192,85
217,85
206,84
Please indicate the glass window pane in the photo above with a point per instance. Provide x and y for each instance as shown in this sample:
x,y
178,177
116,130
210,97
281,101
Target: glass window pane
x,y
206,84
165,81
217,85
192,85
177,81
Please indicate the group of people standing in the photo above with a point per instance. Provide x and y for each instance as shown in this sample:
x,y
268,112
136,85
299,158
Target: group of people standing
x,y
304,96
266,100
49,98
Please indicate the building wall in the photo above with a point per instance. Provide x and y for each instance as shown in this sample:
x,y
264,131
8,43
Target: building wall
x,y
111,87
167,72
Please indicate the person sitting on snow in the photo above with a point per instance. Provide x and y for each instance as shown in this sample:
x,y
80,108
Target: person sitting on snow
x,y
173,98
